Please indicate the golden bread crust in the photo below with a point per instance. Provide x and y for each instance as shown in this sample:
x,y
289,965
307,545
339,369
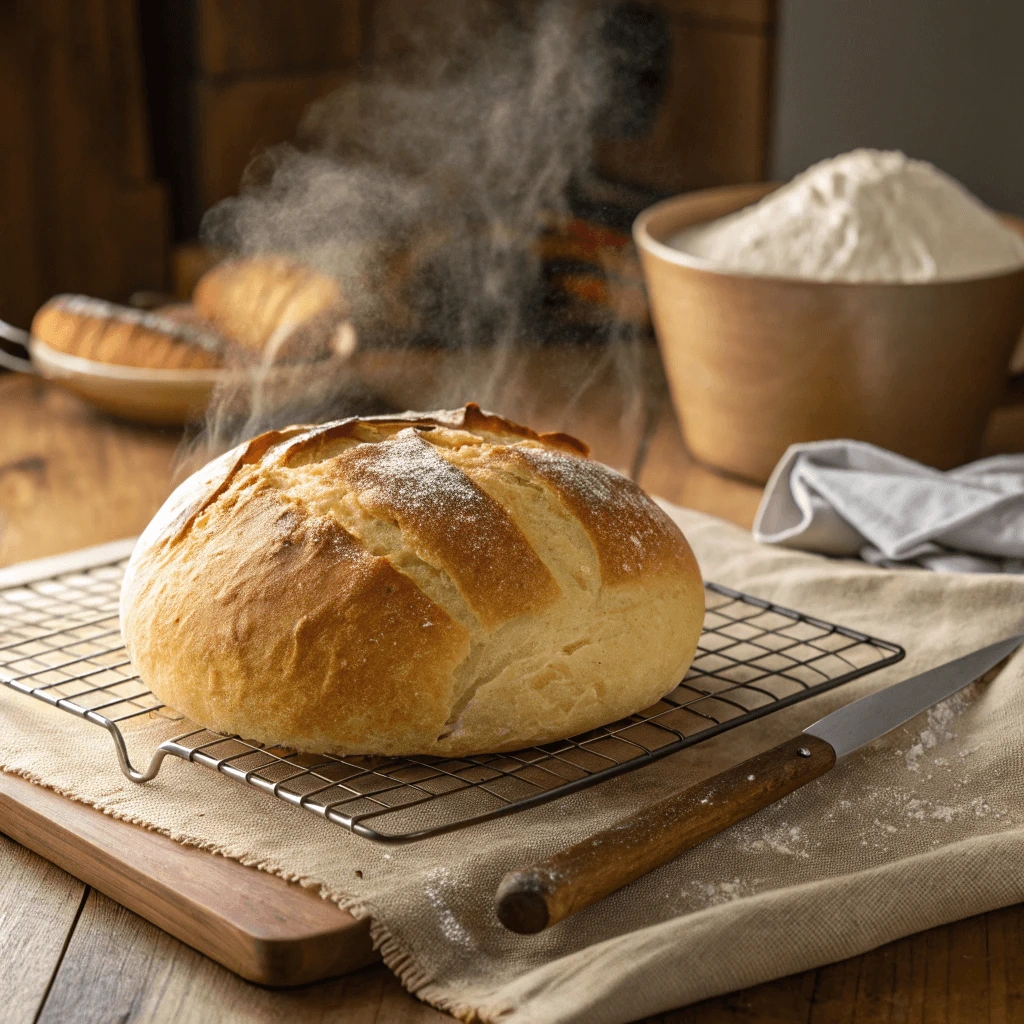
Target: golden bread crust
x,y
443,583
366,641
108,333
406,480
266,303
632,536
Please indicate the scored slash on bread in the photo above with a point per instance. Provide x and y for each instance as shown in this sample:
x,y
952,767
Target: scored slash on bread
x,y
441,583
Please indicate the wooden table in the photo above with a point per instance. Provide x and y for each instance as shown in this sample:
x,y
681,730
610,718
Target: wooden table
x,y
70,478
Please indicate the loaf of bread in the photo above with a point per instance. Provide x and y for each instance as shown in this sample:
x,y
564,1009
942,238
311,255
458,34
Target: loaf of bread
x,y
444,583
108,333
277,308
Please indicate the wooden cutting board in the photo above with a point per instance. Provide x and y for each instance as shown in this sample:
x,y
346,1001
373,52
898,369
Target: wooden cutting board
x,y
266,929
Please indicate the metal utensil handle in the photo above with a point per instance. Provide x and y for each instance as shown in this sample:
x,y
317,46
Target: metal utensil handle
x,y
534,898
21,338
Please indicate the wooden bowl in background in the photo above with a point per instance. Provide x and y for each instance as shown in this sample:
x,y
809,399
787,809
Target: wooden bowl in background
x,y
158,397
755,364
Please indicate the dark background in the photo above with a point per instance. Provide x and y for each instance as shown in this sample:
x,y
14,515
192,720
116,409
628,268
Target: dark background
x,y
942,80
124,120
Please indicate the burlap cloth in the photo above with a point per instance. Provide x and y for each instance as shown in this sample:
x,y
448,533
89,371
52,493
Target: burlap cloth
x,y
921,828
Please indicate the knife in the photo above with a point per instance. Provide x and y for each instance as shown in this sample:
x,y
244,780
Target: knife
x,y
534,898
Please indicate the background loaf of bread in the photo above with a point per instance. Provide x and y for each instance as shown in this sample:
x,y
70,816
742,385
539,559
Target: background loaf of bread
x,y
444,583
108,333
276,308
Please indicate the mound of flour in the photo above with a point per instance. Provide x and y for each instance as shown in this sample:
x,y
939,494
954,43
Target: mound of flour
x,y
864,216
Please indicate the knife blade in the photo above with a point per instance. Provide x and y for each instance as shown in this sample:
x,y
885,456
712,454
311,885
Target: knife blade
x,y
536,897
871,717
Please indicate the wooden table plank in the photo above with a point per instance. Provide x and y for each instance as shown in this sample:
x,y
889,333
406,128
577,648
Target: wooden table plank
x,y
671,473
960,973
69,477
118,967
38,907
260,926
786,1001
1005,933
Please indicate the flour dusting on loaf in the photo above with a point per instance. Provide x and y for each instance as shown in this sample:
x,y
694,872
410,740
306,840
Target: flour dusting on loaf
x,y
439,583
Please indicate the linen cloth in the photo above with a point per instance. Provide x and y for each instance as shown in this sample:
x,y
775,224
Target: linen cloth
x,y
923,827
855,499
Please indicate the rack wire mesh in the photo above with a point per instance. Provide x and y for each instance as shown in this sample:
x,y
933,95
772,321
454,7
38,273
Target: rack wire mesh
x,y
60,642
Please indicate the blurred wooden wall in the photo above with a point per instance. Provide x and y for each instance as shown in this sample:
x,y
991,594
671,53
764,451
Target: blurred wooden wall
x,y
250,70
124,120
261,64
79,208
713,124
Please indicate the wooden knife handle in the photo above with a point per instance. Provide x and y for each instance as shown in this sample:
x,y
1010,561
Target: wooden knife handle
x,y
534,898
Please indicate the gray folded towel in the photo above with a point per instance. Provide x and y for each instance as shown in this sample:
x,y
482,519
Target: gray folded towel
x,y
854,499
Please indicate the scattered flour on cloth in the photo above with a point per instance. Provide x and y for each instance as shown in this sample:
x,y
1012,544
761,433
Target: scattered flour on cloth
x,y
886,847
868,215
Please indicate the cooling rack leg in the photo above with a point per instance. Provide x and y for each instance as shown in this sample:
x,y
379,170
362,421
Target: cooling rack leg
x,y
126,765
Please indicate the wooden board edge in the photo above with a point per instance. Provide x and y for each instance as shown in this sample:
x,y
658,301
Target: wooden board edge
x,y
257,925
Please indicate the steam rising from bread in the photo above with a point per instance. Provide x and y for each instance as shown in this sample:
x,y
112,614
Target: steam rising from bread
x,y
422,189
462,162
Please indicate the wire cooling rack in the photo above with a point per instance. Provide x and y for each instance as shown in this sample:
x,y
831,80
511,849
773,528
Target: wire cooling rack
x,y
60,642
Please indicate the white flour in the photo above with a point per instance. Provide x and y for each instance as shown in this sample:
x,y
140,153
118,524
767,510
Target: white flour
x,y
712,894
787,840
864,216
939,729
